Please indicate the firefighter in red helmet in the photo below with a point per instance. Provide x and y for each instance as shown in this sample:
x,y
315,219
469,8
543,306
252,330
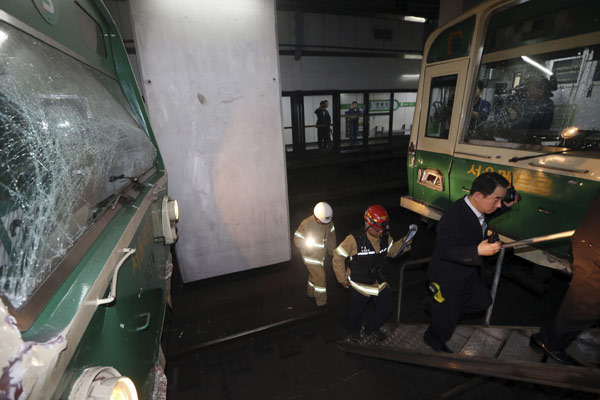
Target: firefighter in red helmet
x,y
315,237
366,249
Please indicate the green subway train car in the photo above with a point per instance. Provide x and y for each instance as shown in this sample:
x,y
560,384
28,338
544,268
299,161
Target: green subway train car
x,y
86,222
512,87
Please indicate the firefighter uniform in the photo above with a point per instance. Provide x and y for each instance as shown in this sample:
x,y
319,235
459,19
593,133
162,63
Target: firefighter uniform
x,y
315,239
366,254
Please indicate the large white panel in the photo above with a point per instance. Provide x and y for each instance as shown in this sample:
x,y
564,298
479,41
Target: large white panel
x,y
210,72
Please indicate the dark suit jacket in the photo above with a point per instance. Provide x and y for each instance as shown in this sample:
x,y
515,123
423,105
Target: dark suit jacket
x,y
455,257
323,117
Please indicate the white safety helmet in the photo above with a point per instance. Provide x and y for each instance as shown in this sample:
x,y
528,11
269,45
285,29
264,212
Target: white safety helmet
x,y
323,212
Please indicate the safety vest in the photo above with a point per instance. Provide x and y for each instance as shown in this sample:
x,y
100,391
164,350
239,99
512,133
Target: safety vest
x,y
365,264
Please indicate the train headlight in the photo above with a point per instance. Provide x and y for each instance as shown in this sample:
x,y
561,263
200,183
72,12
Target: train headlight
x,y
103,383
170,216
173,210
569,132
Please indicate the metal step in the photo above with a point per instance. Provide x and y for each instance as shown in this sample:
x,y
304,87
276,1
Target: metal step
x,y
517,347
502,352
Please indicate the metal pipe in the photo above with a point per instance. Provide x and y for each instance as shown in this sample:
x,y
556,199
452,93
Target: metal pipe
x,y
488,314
539,239
401,281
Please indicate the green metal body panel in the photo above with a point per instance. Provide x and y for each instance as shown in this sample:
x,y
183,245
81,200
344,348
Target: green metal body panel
x,y
59,312
454,42
440,162
564,199
125,334
66,30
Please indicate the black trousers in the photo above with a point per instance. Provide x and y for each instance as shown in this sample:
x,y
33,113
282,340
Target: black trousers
x,y
470,296
323,137
358,302
581,306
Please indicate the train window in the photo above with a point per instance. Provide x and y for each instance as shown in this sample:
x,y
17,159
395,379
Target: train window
x,y
538,100
537,21
91,32
441,102
69,143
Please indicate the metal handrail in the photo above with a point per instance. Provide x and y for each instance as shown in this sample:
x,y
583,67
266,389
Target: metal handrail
x,y
525,242
498,270
401,281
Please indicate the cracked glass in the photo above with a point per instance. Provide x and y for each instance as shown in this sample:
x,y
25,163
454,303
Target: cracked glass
x,y
68,142
541,100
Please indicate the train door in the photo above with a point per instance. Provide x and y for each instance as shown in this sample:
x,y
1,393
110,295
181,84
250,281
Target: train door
x,y
437,132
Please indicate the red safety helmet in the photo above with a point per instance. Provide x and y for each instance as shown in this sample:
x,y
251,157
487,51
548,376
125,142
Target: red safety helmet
x,y
377,217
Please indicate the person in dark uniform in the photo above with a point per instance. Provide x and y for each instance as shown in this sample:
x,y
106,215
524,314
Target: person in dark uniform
x,y
455,268
481,107
531,107
352,115
581,306
323,122
367,248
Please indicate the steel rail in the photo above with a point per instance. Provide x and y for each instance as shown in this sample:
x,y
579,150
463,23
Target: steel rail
x,y
183,354
569,377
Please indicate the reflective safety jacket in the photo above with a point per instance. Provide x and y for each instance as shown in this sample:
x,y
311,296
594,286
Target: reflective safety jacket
x,y
365,252
315,240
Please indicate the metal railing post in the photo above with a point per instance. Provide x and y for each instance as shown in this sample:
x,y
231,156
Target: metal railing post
x,y
488,314
401,281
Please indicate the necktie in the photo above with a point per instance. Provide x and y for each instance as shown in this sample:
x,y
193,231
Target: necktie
x,y
483,225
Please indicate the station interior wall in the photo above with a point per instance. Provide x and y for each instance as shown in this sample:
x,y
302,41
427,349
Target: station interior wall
x,y
212,76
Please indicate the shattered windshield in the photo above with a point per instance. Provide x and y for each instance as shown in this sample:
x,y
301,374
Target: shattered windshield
x,y
65,130
539,100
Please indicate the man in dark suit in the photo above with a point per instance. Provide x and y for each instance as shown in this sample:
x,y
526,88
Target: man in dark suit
x,y
581,306
457,261
323,122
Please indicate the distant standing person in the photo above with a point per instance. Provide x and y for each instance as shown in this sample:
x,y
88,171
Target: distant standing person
x,y
352,116
323,122
315,237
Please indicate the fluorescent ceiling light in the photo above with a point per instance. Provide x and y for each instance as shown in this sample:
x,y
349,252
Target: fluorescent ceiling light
x,y
413,57
410,76
411,18
3,36
537,65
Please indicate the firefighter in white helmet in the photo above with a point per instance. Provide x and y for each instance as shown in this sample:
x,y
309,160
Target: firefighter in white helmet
x,y
315,237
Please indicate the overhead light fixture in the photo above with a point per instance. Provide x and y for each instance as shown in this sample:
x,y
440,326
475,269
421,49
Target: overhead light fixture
x,y
413,56
537,65
410,18
3,36
409,76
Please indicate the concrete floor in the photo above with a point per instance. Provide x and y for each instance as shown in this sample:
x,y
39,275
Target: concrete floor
x,y
216,348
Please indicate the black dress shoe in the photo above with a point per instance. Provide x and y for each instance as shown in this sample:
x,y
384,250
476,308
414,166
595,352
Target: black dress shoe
x,y
440,348
377,334
536,343
356,338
